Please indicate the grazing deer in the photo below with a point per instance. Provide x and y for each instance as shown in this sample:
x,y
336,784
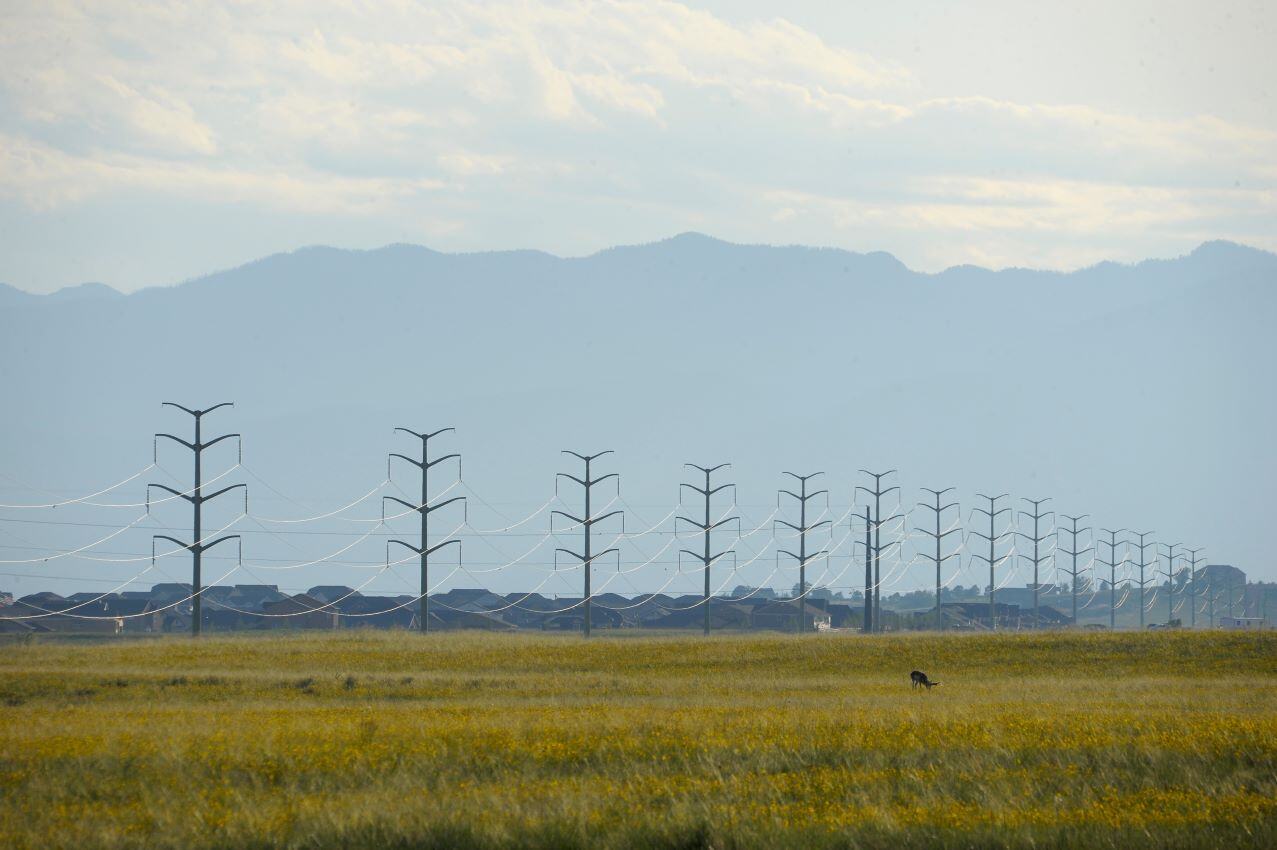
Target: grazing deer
x,y
917,677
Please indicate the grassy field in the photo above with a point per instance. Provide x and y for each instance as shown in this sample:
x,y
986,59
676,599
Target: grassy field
x,y
475,740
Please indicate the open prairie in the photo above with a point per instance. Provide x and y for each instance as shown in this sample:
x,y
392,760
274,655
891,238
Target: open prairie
x,y
473,740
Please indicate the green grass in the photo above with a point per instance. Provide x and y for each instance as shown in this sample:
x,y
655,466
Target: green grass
x,y
378,739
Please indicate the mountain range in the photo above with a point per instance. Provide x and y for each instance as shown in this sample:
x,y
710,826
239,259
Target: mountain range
x,y
1140,394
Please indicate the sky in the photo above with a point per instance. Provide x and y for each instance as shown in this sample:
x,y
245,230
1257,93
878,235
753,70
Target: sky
x,y
144,145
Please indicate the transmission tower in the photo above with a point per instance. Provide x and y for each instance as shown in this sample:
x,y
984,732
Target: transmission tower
x,y
1144,564
878,492
993,538
1037,516
938,535
706,527
1169,572
1073,531
1193,591
424,510
1111,563
586,523
802,528
197,547
868,625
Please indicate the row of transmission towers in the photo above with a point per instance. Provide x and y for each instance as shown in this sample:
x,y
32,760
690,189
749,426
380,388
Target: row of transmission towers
x,y
1144,573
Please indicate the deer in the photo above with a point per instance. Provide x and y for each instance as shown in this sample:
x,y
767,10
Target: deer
x,y
917,677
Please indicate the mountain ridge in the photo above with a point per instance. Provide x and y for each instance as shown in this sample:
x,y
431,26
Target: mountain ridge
x,y
1218,250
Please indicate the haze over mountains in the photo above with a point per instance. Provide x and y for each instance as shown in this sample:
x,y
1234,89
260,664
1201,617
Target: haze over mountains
x,y
1141,395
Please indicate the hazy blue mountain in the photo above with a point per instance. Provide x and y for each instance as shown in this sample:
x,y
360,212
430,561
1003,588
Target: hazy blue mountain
x,y
1140,394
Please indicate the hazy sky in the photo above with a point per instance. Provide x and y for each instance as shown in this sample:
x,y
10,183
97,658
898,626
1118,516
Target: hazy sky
x,y
143,146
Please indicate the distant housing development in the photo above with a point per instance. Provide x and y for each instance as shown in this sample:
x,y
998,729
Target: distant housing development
x,y
168,608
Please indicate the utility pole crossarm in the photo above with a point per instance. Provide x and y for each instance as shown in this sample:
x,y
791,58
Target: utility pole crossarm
x,y
187,496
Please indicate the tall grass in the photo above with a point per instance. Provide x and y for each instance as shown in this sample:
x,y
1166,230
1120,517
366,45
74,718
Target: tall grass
x,y
382,739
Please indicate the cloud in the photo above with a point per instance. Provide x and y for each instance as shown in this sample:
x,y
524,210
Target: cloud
x,y
44,178
580,124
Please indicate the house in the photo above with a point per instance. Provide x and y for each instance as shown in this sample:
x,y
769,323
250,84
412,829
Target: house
x,y
1242,623
569,616
251,597
376,612
134,615
173,596
638,611
723,614
300,611
447,618
790,615
50,612
975,615
470,599
331,592
224,620
43,600
527,610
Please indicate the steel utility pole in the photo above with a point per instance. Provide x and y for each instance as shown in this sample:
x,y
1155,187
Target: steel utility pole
x,y
587,523
1169,572
938,537
1073,551
425,550
868,625
197,547
706,527
993,538
877,492
1193,591
1112,563
1037,538
1143,565
802,528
